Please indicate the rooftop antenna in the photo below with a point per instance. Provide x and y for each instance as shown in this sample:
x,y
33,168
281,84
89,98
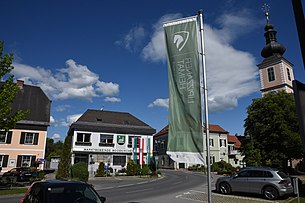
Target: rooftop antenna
x,y
266,9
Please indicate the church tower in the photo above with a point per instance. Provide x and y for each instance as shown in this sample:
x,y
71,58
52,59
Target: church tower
x,y
275,71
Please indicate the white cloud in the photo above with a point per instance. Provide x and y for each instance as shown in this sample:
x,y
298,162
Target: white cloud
x,y
231,73
160,103
108,89
133,40
70,119
73,82
61,108
52,120
55,136
155,49
112,99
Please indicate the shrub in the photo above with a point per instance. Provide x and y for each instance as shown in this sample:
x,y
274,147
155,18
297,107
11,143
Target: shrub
x,y
101,170
131,168
80,171
222,167
144,170
152,166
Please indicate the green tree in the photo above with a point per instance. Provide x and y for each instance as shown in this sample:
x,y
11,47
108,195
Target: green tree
x,y
273,127
53,149
64,165
8,92
252,155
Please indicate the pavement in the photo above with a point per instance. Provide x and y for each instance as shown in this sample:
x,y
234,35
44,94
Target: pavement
x,y
200,195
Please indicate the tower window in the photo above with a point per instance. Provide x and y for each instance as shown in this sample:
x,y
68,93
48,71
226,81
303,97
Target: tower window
x,y
288,74
271,74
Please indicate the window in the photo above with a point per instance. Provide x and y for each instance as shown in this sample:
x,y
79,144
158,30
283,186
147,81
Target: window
x,y
83,139
212,159
223,143
119,160
3,136
29,138
271,74
130,138
211,143
106,140
25,160
244,174
288,74
3,160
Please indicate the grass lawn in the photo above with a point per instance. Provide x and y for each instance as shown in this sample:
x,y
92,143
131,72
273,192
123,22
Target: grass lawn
x,y
13,191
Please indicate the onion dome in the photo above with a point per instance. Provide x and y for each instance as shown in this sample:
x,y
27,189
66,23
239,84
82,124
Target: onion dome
x,y
272,47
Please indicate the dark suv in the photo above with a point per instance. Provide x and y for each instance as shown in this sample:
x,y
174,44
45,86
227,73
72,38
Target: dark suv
x,y
21,173
59,191
271,183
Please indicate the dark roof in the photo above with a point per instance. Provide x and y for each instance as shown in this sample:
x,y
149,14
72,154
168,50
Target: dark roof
x,y
112,122
212,128
32,98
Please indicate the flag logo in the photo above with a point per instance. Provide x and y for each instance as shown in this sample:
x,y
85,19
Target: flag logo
x,y
180,39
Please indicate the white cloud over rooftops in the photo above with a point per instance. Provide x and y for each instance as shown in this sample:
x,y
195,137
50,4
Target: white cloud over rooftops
x,y
73,82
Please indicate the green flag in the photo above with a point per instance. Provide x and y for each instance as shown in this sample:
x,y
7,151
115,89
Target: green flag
x,y
185,138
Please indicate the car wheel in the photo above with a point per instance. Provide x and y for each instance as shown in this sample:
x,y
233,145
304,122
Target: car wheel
x,y
224,188
270,193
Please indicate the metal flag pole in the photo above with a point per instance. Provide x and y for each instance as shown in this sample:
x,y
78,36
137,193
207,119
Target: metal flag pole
x,y
205,93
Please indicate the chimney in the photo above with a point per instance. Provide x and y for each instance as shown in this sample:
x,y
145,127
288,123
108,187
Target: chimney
x,y
20,83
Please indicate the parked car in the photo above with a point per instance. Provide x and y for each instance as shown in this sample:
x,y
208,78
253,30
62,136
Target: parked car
x,y
60,191
22,173
271,183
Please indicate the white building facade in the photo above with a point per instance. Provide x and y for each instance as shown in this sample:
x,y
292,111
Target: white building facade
x,y
105,136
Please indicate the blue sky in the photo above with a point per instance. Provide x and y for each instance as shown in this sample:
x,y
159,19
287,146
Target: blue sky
x,y
111,54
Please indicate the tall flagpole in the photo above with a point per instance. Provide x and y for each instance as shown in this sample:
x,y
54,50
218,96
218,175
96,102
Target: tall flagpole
x,y
205,93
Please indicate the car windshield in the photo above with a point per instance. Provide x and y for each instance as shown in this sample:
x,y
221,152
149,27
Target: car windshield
x,y
282,174
71,193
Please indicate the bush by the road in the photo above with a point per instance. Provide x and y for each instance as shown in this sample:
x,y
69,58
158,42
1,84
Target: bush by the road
x,y
80,172
223,167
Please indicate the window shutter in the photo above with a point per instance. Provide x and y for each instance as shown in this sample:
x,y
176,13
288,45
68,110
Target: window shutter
x,y
36,138
5,160
32,160
9,137
22,137
19,160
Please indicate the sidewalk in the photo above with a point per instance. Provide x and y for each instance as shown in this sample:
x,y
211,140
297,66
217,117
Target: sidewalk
x,y
218,198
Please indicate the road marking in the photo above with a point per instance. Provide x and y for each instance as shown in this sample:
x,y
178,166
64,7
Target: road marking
x,y
125,185
104,188
136,191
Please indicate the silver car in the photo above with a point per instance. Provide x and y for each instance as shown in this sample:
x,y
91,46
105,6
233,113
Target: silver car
x,y
271,183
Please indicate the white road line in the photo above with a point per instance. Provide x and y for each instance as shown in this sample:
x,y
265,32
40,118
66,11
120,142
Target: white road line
x,y
136,191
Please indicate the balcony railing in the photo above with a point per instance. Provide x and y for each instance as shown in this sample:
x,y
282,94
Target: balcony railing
x,y
233,152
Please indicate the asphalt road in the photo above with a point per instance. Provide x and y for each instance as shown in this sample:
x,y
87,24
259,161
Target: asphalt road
x,y
167,189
